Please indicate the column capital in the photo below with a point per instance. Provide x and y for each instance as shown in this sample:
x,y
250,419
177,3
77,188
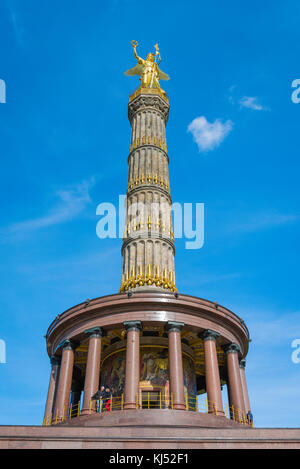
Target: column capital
x,y
155,101
69,344
208,334
174,326
133,326
55,360
231,348
96,331
242,363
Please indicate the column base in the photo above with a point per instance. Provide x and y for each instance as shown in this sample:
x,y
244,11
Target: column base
x,y
178,406
130,406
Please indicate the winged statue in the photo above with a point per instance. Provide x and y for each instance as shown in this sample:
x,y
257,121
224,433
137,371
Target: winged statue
x,y
148,70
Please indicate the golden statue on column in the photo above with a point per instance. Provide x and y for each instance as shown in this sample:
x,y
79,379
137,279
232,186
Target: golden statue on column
x,y
148,70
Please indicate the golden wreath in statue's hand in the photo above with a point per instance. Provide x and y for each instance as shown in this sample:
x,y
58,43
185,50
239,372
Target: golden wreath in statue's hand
x,y
134,44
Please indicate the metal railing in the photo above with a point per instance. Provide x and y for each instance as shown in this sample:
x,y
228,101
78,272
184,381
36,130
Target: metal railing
x,y
148,400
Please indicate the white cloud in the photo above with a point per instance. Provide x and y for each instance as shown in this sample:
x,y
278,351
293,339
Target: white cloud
x,y
251,103
71,203
209,135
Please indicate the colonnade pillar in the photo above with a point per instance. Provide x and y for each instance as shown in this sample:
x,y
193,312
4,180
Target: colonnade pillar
x,y
212,374
50,403
234,381
65,380
175,364
92,373
132,370
244,386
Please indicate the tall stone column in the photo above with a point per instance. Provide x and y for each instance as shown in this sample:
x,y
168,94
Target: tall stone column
x,y
234,381
148,244
212,374
132,370
175,364
244,386
65,380
52,389
92,373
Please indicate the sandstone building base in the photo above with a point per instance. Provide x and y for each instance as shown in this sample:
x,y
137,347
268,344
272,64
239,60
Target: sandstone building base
x,y
151,430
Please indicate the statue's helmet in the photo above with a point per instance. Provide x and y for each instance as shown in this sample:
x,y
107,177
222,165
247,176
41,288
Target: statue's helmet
x,y
150,57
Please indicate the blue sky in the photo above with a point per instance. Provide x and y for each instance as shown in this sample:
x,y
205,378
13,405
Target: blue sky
x,y
64,141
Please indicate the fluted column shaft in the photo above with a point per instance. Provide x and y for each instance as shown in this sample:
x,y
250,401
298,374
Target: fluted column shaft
x,y
132,370
92,373
148,244
234,381
175,365
212,374
52,389
65,381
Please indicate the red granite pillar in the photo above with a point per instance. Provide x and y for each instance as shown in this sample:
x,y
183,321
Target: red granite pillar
x,y
92,373
65,381
132,371
244,386
175,365
212,374
235,382
52,389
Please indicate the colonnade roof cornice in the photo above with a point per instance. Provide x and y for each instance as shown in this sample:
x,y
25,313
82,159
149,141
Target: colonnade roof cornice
x,y
112,310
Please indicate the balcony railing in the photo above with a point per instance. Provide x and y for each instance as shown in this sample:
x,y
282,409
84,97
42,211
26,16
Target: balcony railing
x,y
148,400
